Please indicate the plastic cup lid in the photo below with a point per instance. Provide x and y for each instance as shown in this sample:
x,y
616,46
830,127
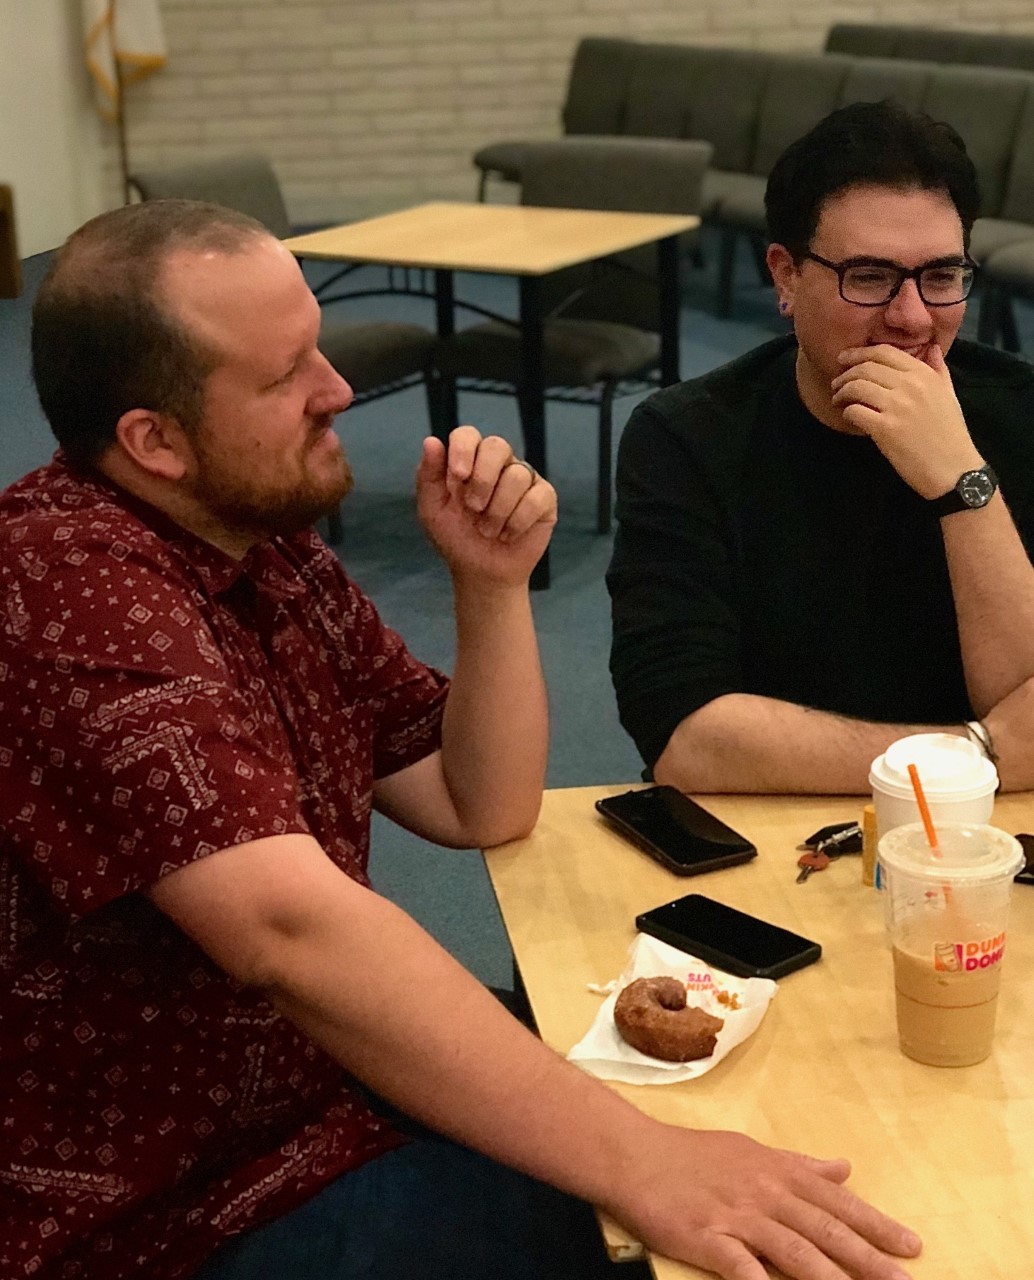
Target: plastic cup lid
x,y
970,852
950,767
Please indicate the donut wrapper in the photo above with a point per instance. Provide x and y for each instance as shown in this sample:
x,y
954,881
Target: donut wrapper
x,y
602,1052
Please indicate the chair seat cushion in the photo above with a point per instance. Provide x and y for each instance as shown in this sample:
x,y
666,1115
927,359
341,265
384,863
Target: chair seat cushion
x,y
576,353
371,353
990,235
505,158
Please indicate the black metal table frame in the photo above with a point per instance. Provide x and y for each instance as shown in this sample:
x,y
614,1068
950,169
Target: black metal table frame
x,y
531,390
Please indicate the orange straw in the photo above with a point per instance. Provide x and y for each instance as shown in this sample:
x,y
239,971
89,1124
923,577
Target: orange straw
x,y
924,811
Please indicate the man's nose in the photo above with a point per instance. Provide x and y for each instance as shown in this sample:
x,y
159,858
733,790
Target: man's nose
x,y
907,310
336,394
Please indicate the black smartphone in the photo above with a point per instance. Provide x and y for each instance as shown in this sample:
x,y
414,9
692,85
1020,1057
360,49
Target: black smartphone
x,y
676,830
730,939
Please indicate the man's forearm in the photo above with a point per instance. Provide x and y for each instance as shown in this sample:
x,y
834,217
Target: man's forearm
x,y
366,983
744,743
992,583
495,734
428,1037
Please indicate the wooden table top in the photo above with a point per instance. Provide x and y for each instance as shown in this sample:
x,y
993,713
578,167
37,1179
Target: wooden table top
x,y
518,240
948,1151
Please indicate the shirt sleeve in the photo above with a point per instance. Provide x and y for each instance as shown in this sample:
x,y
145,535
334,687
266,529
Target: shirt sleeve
x,y
673,583
124,734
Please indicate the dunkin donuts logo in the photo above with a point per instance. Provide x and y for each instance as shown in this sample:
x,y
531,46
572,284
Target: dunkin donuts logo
x,y
965,957
699,980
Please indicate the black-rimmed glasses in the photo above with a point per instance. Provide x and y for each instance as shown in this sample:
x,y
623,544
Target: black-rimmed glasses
x,y
868,282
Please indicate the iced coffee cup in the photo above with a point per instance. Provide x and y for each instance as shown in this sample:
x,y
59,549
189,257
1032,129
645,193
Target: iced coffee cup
x,y
947,919
958,779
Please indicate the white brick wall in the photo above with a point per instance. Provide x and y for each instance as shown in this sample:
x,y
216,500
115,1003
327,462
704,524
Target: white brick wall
x,y
365,105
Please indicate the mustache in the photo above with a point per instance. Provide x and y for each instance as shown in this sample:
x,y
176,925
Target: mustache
x,y
323,423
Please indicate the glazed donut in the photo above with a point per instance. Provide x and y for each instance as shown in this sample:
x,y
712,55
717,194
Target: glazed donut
x,y
652,1016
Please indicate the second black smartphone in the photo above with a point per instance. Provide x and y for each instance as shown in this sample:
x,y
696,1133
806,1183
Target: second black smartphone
x,y
676,830
730,939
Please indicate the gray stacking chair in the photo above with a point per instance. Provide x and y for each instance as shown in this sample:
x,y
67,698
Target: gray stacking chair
x,y
594,104
376,357
1007,274
800,89
601,333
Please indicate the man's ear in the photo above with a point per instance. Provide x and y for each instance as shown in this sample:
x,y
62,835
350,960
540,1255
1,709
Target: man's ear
x,y
154,442
784,274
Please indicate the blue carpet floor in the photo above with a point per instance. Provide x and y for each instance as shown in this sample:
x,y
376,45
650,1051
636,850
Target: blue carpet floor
x,y
385,551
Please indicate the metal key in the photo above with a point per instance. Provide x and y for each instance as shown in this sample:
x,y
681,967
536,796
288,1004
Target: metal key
x,y
809,862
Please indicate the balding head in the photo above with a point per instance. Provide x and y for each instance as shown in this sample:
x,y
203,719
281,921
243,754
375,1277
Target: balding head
x,y
103,339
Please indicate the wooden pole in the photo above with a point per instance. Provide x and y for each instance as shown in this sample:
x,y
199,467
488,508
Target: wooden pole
x,y
10,264
120,107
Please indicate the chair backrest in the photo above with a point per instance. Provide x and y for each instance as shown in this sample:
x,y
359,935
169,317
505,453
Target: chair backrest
x,y
873,79
933,44
246,183
725,103
632,175
1018,201
659,86
596,87
863,39
800,90
985,105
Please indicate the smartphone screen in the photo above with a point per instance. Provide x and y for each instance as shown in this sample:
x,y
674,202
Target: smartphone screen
x,y
676,830
731,939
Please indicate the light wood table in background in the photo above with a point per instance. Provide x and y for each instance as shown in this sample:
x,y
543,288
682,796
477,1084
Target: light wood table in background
x,y
949,1151
512,240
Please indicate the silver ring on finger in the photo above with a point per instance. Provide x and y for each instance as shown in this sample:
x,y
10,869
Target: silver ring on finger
x,y
520,462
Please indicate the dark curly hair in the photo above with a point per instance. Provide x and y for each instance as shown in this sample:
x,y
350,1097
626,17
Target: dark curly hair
x,y
867,144
102,340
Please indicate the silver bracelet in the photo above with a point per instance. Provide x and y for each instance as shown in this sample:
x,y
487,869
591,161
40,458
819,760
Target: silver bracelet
x,y
981,735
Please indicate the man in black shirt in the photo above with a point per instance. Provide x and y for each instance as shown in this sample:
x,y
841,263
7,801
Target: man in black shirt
x,y
815,553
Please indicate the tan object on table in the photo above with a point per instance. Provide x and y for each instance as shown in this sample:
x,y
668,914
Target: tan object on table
x,y
947,1151
869,841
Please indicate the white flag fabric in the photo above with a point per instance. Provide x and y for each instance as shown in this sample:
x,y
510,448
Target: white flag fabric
x,y
129,31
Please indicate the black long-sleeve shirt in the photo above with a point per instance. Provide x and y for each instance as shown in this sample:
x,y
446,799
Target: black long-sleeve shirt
x,y
758,551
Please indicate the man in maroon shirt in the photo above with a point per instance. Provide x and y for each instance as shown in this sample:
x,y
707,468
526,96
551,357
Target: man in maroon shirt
x,y
198,711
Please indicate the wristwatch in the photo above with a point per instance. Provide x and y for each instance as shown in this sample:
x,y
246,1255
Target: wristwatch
x,y
973,489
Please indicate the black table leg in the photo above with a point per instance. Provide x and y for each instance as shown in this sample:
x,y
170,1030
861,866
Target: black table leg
x,y
670,307
531,397
446,397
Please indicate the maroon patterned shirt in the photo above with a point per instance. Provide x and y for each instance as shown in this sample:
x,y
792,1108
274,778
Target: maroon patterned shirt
x,y
160,701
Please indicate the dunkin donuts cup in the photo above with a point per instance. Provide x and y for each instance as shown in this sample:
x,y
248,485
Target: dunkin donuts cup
x,y
946,916
958,780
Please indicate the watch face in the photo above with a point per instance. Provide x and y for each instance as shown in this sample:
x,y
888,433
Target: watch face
x,y
975,489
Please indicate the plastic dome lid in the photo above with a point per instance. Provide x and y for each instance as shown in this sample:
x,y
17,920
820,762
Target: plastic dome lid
x,y
950,767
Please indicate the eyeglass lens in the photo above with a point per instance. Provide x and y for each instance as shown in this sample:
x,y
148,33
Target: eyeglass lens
x,y
941,285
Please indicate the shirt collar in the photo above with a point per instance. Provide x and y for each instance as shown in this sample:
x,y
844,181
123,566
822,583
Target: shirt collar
x,y
264,565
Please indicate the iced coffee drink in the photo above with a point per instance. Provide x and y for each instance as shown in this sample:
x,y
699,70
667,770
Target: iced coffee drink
x,y
946,1012
947,913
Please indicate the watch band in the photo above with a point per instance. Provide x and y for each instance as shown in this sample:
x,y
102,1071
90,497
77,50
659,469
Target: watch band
x,y
973,490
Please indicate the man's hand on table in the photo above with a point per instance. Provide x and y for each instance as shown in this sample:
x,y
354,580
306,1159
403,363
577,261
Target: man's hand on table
x,y
489,515
721,1201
